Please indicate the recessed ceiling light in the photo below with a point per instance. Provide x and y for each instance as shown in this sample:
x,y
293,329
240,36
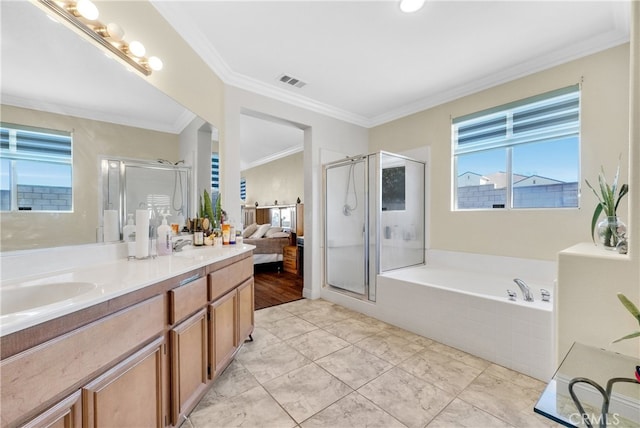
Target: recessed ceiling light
x,y
410,6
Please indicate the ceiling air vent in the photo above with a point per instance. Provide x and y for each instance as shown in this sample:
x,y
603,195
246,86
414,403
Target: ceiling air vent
x,y
291,81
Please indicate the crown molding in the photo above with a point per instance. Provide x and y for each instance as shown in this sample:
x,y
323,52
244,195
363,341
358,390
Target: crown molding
x,y
175,127
283,154
172,12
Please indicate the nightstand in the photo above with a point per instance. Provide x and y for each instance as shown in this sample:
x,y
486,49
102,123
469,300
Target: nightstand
x,y
290,259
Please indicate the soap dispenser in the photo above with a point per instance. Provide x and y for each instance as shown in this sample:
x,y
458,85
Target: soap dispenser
x,y
164,242
129,236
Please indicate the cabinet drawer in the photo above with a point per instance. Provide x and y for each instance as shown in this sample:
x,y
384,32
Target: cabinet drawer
x,y
187,299
225,279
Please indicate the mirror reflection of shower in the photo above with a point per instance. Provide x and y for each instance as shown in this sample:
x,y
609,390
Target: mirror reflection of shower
x,y
159,186
351,181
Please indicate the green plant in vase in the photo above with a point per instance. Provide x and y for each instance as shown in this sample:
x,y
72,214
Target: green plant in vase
x,y
609,197
633,310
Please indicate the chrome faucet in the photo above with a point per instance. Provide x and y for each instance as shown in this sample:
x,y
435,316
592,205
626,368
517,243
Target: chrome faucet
x,y
527,295
180,243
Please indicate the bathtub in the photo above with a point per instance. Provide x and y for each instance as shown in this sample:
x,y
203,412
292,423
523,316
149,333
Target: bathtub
x,y
461,300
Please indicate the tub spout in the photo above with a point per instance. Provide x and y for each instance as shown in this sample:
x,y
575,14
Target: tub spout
x,y
527,295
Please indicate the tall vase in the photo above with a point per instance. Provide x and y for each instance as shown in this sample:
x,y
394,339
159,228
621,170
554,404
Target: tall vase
x,y
609,231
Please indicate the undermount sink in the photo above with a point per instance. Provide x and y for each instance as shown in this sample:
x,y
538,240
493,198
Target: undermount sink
x,y
22,298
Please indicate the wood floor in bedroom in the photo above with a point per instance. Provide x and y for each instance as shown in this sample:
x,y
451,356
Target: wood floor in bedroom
x,y
274,288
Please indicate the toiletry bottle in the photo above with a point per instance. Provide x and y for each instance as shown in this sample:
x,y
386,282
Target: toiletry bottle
x,y
198,235
232,233
164,238
129,236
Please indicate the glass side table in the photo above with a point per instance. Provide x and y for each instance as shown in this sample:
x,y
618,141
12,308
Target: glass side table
x,y
591,381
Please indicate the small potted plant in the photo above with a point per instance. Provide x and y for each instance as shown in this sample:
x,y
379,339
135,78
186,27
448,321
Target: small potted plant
x,y
611,229
633,310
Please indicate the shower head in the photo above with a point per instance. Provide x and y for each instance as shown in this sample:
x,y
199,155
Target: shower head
x,y
346,210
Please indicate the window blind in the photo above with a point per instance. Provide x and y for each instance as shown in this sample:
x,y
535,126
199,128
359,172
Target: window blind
x,y
545,117
24,143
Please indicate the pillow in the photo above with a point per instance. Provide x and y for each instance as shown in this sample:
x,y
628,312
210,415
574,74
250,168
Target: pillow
x,y
262,229
249,230
272,230
278,235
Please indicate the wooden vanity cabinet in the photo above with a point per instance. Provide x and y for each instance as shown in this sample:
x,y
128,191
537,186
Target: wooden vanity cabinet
x,y
65,414
189,346
146,363
245,309
130,394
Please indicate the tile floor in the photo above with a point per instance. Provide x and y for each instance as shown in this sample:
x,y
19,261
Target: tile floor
x,y
316,364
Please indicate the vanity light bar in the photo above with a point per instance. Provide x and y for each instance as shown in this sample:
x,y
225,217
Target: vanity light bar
x,y
95,31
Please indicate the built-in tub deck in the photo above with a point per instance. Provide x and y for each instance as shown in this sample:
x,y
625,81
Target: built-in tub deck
x,y
467,307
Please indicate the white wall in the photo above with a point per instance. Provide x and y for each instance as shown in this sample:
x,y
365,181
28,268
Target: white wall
x,y
281,180
538,234
321,133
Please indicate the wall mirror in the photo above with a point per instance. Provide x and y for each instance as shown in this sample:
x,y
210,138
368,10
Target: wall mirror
x,y
53,78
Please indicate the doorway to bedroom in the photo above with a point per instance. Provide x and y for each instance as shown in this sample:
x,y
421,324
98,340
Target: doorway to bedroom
x,y
272,193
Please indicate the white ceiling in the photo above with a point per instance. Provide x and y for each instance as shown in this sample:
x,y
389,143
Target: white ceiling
x,y
363,61
366,62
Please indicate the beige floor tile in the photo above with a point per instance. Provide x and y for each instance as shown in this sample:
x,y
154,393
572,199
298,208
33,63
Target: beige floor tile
x,y
353,411
272,361
274,313
510,401
306,305
317,344
354,366
407,335
389,347
306,391
289,327
327,315
234,381
442,371
456,354
253,408
464,415
261,339
411,400
352,329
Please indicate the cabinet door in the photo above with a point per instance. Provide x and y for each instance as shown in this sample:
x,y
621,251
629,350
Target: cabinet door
x,y
245,309
65,414
189,363
224,331
130,394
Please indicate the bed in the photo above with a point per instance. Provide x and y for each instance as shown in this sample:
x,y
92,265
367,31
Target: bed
x,y
269,242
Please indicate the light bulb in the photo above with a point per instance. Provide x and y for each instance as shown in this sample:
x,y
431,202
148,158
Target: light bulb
x,y
87,9
115,32
137,49
155,63
410,6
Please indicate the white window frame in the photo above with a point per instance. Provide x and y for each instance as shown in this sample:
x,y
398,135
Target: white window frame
x,y
45,154
569,96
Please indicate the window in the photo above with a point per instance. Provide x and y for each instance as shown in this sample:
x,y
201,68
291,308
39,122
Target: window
x,y
215,177
243,189
524,154
35,169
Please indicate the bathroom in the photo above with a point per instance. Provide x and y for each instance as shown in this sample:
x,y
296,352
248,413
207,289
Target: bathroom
x,y
586,281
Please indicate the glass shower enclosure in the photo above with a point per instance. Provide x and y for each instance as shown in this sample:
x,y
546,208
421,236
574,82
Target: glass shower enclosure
x,y
374,219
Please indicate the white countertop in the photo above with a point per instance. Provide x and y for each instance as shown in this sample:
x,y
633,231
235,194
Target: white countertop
x,y
112,278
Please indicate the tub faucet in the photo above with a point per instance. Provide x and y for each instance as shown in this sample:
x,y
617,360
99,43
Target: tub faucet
x,y
527,295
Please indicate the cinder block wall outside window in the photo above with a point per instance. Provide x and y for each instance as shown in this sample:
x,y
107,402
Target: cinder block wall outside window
x,y
39,198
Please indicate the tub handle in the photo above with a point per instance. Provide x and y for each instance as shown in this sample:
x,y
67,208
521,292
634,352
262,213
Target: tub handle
x,y
512,295
546,296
